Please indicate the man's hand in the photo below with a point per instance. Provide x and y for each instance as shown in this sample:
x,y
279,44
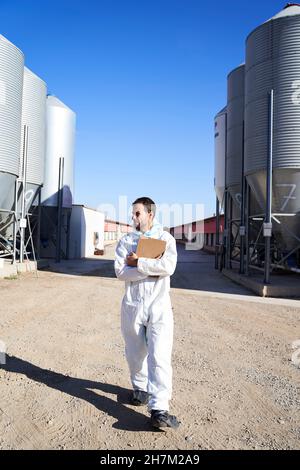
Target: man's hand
x,y
131,260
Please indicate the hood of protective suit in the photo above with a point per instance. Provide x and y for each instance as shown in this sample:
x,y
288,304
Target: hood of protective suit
x,y
155,231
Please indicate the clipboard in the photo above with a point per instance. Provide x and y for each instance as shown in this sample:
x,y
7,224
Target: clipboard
x,y
150,247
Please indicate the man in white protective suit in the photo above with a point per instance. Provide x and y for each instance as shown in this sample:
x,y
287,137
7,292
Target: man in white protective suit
x,y
146,314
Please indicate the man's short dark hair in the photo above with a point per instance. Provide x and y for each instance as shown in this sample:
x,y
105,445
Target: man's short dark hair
x,y
147,202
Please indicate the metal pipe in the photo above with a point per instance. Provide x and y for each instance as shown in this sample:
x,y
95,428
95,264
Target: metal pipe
x,y
59,209
247,228
225,233
268,219
24,179
294,270
229,235
242,226
38,237
281,214
68,235
217,233
274,266
258,216
6,210
15,227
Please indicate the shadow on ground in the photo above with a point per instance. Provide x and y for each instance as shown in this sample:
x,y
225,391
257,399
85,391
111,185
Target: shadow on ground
x,y
127,418
84,267
195,271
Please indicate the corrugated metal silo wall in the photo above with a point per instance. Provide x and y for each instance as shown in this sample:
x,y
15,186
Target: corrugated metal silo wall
x,y
273,62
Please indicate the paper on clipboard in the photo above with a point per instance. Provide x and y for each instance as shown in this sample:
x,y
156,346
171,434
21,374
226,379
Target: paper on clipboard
x,y
150,247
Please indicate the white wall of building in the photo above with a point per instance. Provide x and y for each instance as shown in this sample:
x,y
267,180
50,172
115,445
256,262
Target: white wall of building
x,y
86,232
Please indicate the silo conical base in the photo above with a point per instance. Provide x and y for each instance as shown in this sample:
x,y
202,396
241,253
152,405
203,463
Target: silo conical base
x,y
7,205
285,204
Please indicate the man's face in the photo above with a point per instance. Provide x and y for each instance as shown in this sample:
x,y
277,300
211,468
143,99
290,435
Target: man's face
x,y
141,217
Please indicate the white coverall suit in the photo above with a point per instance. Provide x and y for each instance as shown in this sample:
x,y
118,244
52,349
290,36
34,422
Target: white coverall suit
x,y
147,318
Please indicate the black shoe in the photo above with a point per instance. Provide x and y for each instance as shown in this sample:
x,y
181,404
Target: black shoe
x,y
162,419
139,398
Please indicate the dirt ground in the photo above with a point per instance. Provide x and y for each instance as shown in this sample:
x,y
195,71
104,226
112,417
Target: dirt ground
x,y
66,385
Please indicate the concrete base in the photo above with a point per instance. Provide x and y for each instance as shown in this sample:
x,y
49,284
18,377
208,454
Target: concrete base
x,y
8,270
281,286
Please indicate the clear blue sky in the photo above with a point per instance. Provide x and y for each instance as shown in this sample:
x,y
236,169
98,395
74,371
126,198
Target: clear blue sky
x,y
145,79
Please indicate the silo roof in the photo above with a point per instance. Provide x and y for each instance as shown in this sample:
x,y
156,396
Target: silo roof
x,y
222,111
291,9
27,70
236,68
56,102
3,38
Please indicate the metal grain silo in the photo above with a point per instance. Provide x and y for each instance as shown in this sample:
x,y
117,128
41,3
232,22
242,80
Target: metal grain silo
x,y
273,63
34,119
220,154
235,119
11,84
32,156
57,192
234,158
60,143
